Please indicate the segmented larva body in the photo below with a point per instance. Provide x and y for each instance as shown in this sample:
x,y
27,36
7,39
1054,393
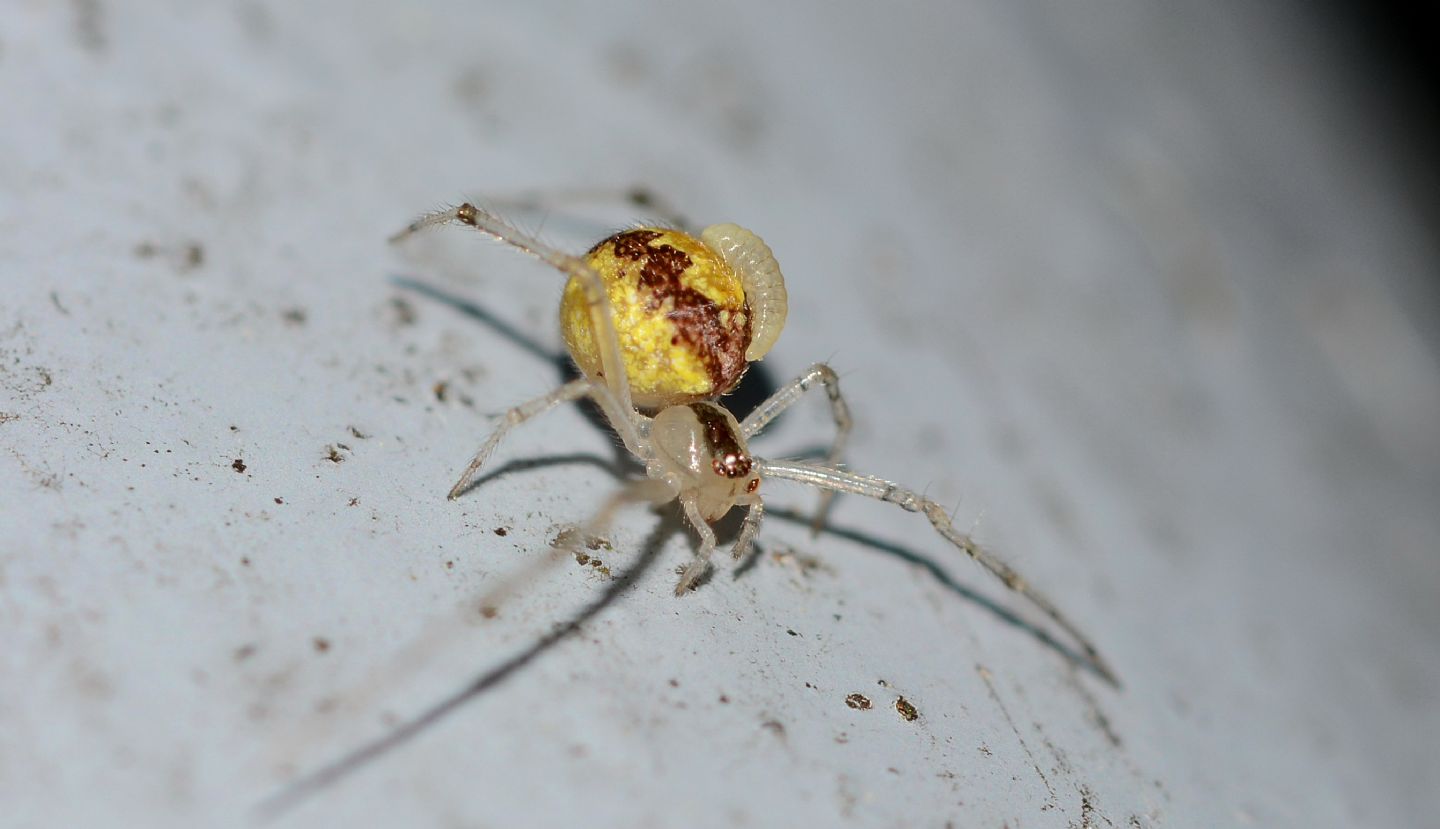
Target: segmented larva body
x,y
690,313
763,283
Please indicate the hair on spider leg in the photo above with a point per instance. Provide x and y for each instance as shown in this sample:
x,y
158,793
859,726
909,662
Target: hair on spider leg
x,y
826,477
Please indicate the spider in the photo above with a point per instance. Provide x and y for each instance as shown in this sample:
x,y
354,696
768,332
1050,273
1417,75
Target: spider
x,y
661,324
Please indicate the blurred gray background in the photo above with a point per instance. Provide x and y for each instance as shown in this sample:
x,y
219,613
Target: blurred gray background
x,y
1149,292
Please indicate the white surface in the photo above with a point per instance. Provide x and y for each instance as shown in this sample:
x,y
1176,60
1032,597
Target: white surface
x,y
1126,280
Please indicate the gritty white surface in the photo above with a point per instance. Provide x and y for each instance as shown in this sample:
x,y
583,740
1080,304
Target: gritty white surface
x,y
1130,282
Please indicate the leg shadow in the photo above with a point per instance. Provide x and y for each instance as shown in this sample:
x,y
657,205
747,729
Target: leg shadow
x,y
613,468
313,784
941,575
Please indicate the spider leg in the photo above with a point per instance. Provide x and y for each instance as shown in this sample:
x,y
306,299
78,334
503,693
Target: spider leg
x,y
837,480
787,397
696,568
647,201
753,516
619,409
573,390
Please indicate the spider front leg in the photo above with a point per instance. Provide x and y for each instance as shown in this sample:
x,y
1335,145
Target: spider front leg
x,y
835,480
618,407
785,398
574,390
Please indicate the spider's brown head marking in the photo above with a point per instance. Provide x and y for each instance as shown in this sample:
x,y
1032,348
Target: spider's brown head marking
x,y
727,457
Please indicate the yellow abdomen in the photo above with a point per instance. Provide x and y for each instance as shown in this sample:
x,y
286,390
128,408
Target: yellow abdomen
x,y
680,314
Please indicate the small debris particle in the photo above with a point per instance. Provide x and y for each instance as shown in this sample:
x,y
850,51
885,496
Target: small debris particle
x,y
860,702
244,652
907,712
322,645
234,428
442,391
6,417
194,255
724,699
279,500
791,632
332,454
294,316
449,565
489,611
582,558
674,683
882,683
501,531
359,435
404,311
596,543
145,250
238,465
774,726
245,561
354,502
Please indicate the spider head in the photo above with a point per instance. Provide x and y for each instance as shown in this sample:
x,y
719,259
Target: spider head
x,y
701,444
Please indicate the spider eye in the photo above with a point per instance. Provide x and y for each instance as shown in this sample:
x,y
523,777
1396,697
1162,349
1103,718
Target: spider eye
x,y
730,465
753,485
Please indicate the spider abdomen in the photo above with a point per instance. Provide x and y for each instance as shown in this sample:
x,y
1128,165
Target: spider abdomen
x,y
686,326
